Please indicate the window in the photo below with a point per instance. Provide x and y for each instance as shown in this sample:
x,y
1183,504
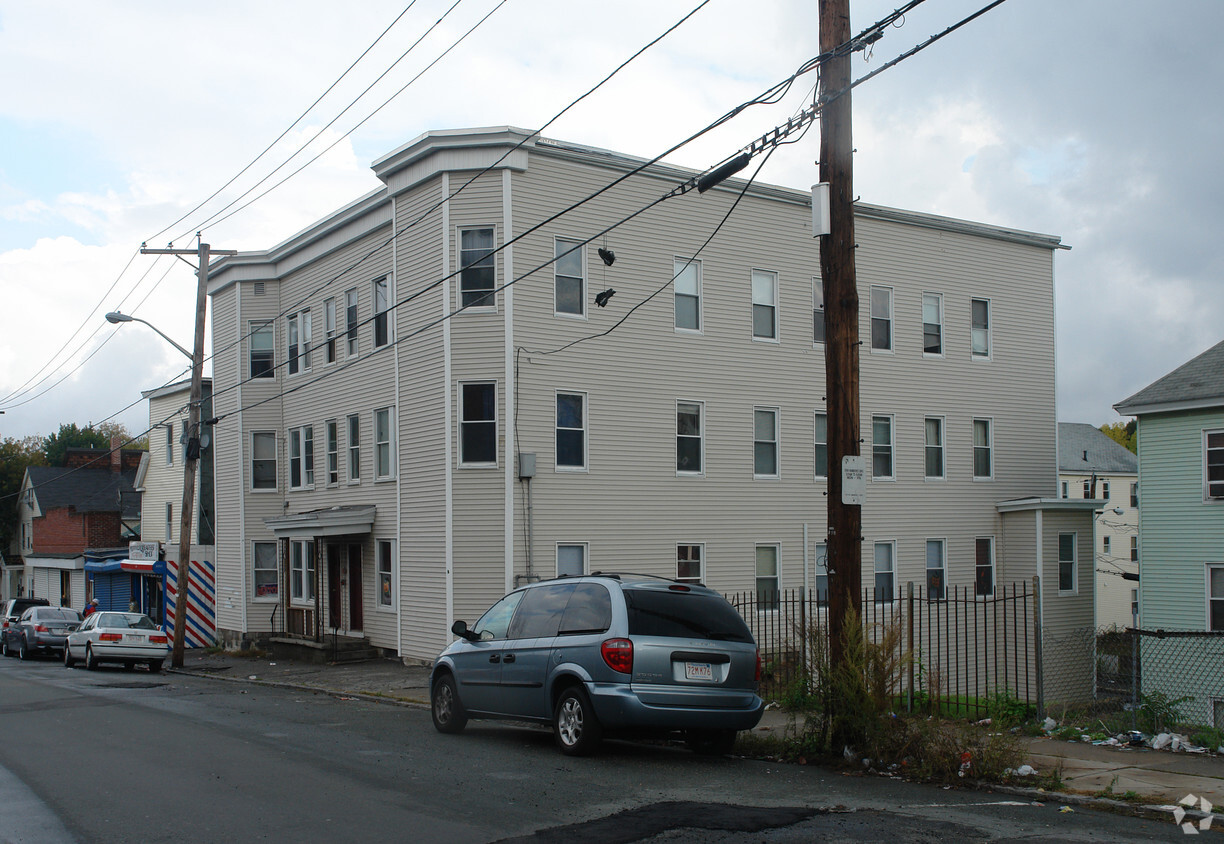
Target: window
x,y
1134,496
478,424
1066,562
686,281
764,305
818,311
333,453
934,447
821,581
1213,459
1134,542
980,332
983,573
764,442
329,329
569,285
301,457
885,571
299,342
350,320
767,581
169,521
301,570
822,445
263,460
1105,545
381,328
881,319
266,573
477,276
983,468
262,346
384,444
1088,488
571,431
1064,489
882,447
385,552
1105,490
1215,598
936,570
354,449
689,443
932,324
688,563
170,444
1135,607
571,560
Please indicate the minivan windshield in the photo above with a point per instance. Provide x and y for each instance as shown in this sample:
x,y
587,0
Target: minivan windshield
x,y
684,615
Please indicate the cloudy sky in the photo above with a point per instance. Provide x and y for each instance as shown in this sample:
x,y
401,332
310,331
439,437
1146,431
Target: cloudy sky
x,y
1096,121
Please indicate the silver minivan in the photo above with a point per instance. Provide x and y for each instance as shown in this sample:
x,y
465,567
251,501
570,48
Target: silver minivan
x,y
605,654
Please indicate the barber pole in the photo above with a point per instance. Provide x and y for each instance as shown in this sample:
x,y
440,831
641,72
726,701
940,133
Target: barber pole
x,y
201,629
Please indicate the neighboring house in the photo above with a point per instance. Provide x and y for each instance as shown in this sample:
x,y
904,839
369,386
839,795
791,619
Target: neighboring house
x,y
90,502
1181,522
1092,465
386,469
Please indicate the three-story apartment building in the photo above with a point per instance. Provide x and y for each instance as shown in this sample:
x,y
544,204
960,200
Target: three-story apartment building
x,y
471,377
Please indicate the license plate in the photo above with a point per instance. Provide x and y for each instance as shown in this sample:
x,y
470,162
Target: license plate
x,y
133,637
698,671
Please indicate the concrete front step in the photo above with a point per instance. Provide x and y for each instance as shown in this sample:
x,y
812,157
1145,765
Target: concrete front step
x,y
341,649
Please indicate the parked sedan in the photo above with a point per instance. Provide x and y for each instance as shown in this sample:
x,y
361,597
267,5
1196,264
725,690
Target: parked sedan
x,y
40,630
12,610
129,638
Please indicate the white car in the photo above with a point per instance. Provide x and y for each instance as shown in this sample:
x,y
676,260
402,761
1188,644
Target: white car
x,y
125,637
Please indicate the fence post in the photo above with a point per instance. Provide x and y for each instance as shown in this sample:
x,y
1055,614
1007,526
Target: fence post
x,y
1037,646
909,641
803,640
1134,633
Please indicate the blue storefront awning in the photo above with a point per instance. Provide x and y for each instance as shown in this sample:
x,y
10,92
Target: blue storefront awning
x,y
157,567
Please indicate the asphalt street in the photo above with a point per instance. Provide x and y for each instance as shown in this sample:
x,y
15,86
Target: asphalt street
x,y
115,756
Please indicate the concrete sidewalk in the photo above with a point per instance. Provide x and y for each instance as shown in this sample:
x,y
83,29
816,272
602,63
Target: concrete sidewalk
x,y
1157,778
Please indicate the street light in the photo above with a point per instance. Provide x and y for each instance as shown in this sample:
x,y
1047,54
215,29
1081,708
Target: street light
x,y
115,317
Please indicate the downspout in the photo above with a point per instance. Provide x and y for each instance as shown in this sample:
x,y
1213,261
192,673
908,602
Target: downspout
x,y
398,547
448,459
511,385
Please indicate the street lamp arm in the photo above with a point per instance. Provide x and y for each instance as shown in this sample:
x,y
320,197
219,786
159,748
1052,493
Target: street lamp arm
x,y
116,317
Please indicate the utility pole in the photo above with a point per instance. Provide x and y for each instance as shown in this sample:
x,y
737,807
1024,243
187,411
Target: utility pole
x,y
837,272
183,578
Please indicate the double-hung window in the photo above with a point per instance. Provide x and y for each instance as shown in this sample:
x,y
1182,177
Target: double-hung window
x,y
764,305
689,440
1215,598
983,449
329,330
169,521
686,281
382,329
1134,494
169,429
478,424
882,448
1105,490
263,460
688,563
478,271
932,324
571,440
1066,562
301,570
1134,549
821,445
354,449
936,570
350,321
1088,488
569,283
266,573
385,554
299,342
333,453
820,583
984,567
1106,545
818,311
934,450
767,577
980,331
301,457
765,442
881,319
262,346
1213,465
885,572
384,444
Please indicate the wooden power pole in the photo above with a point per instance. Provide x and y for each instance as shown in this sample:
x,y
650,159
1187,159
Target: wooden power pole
x,y
183,577
845,520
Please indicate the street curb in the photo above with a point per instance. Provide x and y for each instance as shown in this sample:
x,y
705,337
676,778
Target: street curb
x,y
301,687
1150,811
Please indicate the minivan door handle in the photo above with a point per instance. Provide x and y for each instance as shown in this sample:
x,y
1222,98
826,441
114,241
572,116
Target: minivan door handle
x,y
509,658
494,657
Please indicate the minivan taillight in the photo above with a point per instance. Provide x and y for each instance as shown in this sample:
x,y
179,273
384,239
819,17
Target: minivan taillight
x,y
758,666
618,654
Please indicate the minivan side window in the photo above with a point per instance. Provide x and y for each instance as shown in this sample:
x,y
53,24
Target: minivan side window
x,y
589,610
539,613
496,621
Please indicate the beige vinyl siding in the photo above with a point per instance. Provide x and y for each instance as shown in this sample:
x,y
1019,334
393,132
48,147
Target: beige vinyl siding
x,y
228,558
1063,614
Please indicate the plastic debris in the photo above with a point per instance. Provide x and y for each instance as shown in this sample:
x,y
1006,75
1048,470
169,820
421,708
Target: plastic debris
x,y
1026,771
252,677
985,722
1049,724
1162,741
1066,810
966,763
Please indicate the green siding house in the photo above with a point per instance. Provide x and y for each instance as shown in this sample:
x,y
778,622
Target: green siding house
x,y
1181,531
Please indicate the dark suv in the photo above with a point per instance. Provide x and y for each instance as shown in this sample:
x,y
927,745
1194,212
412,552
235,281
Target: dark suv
x,y
614,653
13,608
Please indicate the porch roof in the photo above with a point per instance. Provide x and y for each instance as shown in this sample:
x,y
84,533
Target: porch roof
x,y
1017,505
332,521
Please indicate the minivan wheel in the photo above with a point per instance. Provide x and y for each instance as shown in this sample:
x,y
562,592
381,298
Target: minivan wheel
x,y
448,714
711,742
575,726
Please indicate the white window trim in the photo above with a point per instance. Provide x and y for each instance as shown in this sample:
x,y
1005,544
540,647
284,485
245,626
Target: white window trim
x,y
328,454
777,441
994,568
391,455
169,438
169,521
895,565
816,414
817,283
582,295
348,449
301,429
379,606
479,309
943,563
1207,569
973,448
352,341
300,321
1207,497
892,320
586,433
777,321
892,446
330,341
701,561
943,448
777,546
943,334
275,465
385,282
1074,590
459,420
266,599
255,326
989,329
293,599
586,556
701,437
677,264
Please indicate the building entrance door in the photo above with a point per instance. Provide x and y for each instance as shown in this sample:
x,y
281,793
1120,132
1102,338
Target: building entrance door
x,y
344,587
356,622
